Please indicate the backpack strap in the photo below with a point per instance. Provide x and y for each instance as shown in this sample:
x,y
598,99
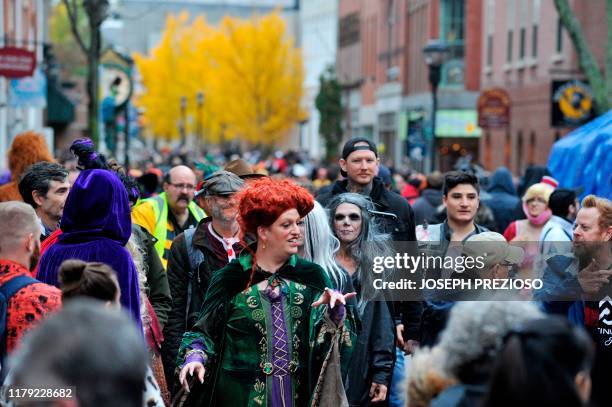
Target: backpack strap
x,y
7,291
195,258
15,284
195,255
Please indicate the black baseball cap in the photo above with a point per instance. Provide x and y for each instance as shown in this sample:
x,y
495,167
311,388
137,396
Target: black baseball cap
x,y
350,147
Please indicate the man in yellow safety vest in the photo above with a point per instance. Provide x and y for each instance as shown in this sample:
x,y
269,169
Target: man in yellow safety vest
x,y
170,213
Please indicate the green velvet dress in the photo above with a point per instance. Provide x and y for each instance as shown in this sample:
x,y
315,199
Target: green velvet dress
x,y
239,332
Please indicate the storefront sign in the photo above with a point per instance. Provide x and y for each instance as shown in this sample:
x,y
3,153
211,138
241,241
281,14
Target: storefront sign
x,y
457,123
29,92
16,62
572,103
494,109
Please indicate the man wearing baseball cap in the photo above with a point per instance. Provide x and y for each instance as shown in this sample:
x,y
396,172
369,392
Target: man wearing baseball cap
x,y
498,256
359,165
197,253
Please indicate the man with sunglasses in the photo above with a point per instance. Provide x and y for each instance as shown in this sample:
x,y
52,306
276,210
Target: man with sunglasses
x,y
172,212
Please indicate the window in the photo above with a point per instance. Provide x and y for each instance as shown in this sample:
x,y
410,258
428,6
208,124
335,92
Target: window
x,y
523,21
452,26
559,46
490,30
489,50
509,47
349,30
532,146
488,150
534,41
510,36
519,152
535,20
522,40
507,150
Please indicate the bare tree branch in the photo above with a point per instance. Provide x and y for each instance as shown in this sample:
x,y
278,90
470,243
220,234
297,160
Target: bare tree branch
x,y
586,59
73,14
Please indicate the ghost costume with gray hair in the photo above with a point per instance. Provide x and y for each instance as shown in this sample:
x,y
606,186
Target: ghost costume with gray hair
x,y
374,353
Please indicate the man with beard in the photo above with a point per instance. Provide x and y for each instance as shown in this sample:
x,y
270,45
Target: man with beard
x,y
579,287
45,187
196,254
172,212
27,300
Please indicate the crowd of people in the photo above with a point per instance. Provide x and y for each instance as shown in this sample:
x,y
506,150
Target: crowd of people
x,y
248,283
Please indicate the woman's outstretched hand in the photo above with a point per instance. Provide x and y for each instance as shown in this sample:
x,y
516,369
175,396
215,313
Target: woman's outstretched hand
x,y
333,297
191,368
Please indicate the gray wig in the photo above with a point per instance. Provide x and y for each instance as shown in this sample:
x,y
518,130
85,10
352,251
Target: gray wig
x,y
320,245
371,241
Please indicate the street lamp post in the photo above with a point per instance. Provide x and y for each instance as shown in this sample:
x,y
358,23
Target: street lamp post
x,y
200,101
183,120
435,53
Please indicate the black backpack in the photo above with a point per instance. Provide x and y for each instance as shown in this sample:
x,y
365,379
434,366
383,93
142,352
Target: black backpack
x,y
7,290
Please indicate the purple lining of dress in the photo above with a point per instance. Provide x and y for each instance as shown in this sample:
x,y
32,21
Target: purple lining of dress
x,y
282,394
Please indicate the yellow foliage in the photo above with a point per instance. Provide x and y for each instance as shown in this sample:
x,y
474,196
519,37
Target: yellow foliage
x,y
249,71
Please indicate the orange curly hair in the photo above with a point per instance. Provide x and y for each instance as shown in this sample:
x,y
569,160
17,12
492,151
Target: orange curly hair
x,y
27,148
265,199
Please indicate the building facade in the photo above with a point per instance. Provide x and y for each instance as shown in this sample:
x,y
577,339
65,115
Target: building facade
x,y
388,97
457,23
23,26
318,22
528,54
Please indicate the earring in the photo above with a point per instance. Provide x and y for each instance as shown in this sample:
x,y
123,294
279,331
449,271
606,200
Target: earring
x,y
263,246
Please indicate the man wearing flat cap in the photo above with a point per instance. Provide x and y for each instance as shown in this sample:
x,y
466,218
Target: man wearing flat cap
x,y
196,254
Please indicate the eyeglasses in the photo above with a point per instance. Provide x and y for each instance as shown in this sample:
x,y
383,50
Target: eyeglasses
x,y
353,217
188,187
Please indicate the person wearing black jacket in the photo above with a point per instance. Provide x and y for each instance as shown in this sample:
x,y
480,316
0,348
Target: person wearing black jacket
x,y
214,243
359,165
371,366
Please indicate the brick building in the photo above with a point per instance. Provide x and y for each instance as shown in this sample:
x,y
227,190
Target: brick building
x,y
525,51
387,93
22,25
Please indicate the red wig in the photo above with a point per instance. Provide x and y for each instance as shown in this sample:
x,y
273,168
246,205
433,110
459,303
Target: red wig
x,y
265,199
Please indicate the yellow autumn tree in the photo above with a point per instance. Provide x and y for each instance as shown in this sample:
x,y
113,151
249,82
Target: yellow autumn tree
x,y
164,86
249,71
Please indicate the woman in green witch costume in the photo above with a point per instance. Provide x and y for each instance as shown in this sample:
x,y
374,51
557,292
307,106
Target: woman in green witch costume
x,y
271,332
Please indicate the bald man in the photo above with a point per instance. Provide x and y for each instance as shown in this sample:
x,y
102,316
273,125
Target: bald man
x,y
29,300
170,213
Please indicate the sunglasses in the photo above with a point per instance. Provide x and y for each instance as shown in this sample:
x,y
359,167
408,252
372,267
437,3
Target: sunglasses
x,y
353,216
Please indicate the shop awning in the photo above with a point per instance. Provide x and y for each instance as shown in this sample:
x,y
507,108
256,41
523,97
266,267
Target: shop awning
x,y
60,109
